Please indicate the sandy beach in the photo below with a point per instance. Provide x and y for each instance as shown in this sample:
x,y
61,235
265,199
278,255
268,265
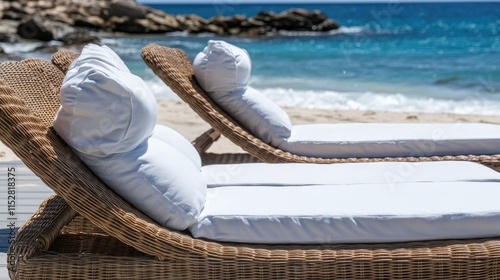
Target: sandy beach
x,y
178,115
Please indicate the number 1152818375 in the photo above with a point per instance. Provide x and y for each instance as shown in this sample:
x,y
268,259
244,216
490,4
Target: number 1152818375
x,y
11,191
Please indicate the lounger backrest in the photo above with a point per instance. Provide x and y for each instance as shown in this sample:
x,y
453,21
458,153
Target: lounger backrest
x,y
35,142
37,82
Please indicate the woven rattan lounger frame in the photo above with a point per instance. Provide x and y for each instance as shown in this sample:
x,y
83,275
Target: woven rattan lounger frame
x,y
87,231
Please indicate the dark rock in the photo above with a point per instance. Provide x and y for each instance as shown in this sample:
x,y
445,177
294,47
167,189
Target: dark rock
x,y
78,37
42,29
234,31
12,15
191,23
218,20
8,38
37,19
71,11
312,17
151,27
45,4
255,32
265,16
115,21
35,28
8,27
168,22
96,11
252,22
212,28
327,25
133,26
234,21
296,20
16,7
289,22
317,17
93,22
64,18
292,20
126,8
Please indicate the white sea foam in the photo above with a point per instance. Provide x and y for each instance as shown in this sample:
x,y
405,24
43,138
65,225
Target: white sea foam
x,y
340,30
381,101
110,41
397,102
160,90
178,33
16,48
348,30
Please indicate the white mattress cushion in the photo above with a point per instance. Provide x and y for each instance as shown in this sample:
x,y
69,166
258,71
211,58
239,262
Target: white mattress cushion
x,y
392,140
301,174
350,213
223,71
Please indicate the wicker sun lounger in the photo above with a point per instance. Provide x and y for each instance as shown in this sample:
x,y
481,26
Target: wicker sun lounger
x,y
174,68
86,231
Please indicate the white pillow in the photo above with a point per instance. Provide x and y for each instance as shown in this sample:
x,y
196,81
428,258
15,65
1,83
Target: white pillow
x,y
157,179
223,71
107,116
103,54
103,110
176,140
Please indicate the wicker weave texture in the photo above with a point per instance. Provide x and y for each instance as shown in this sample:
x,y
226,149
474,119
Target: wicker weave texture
x,y
38,83
63,59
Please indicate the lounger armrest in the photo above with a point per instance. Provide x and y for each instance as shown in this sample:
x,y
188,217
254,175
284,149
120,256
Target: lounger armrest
x,y
227,158
63,59
205,140
39,232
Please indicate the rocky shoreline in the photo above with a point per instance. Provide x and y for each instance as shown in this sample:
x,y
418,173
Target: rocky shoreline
x,y
71,22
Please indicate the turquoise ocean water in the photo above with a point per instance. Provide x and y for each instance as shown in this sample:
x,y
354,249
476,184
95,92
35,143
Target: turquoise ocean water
x,y
414,57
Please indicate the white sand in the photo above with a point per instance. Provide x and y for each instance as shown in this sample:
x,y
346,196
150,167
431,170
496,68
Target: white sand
x,y
180,117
